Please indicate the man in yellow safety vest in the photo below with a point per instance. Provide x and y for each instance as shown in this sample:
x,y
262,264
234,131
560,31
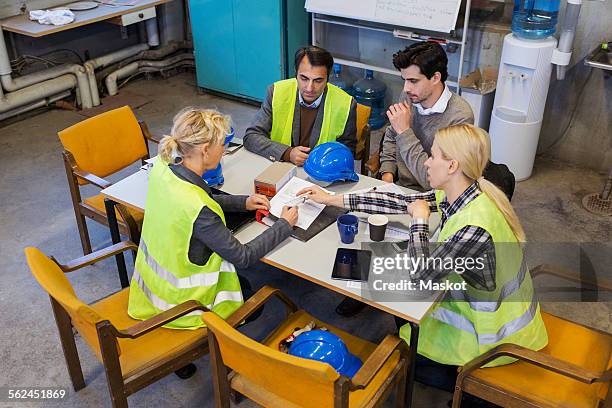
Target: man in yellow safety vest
x,y
302,112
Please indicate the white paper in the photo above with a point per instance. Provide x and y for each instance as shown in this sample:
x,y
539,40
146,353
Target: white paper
x,y
355,284
383,188
148,163
307,212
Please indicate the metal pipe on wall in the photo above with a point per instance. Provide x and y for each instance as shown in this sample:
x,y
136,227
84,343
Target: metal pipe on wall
x,y
100,62
36,88
134,67
39,104
35,93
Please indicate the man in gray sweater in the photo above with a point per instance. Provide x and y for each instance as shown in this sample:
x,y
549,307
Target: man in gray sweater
x,y
426,105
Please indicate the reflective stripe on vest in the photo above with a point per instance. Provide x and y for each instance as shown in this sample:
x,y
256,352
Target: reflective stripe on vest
x,y
461,322
163,305
507,290
188,282
336,109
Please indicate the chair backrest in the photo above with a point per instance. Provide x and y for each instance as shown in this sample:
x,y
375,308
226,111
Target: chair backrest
x,y
297,380
500,175
106,143
363,115
53,280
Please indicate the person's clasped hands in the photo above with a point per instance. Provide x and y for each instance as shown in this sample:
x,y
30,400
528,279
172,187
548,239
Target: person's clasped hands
x,y
298,155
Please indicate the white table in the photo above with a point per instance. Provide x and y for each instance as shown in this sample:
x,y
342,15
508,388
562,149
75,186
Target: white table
x,y
239,171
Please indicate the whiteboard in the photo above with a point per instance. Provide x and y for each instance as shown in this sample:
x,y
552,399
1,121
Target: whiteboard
x,y
432,15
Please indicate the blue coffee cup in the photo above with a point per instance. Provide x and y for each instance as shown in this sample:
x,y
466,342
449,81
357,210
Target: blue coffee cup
x,y
348,226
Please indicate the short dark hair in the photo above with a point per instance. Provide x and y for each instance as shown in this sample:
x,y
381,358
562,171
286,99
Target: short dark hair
x,y
317,57
428,56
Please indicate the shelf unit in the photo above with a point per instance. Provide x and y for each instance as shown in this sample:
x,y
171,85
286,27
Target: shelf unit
x,y
445,40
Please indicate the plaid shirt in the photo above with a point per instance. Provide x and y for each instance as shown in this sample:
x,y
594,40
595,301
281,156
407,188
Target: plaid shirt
x,y
469,242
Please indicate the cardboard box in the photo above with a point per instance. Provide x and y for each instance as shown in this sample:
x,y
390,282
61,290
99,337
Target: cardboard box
x,y
478,89
274,178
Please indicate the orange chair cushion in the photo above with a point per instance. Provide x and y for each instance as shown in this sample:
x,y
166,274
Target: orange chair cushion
x,y
569,342
361,348
97,203
152,347
106,143
363,115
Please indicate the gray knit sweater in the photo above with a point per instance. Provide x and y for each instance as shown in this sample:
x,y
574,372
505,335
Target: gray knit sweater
x,y
404,155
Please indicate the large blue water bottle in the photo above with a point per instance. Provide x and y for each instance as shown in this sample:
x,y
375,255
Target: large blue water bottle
x,y
339,80
371,92
535,19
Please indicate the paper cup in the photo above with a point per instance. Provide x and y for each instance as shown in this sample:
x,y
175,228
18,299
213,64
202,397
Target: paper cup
x,y
378,227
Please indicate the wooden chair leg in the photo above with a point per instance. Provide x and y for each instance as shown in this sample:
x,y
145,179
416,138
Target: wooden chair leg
x,y
457,395
83,233
400,392
112,367
219,374
68,345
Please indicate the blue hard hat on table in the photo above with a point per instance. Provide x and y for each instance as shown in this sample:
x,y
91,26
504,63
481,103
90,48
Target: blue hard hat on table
x,y
329,162
328,348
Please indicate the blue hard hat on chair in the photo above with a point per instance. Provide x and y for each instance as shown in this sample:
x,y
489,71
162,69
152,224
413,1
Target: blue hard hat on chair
x,y
328,348
331,161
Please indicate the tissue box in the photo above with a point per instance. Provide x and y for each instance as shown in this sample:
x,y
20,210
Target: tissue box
x,y
274,178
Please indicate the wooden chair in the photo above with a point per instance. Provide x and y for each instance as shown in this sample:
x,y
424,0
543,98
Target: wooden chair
x,y
573,370
362,151
96,148
275,379
134,353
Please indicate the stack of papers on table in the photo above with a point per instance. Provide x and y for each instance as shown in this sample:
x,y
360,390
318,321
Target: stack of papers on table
x,y
307,211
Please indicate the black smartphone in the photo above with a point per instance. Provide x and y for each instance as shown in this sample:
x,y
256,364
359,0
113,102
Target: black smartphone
x,y
352,265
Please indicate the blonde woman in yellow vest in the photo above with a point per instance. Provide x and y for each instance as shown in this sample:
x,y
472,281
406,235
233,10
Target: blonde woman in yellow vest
x,y
186,251
498,304
302,112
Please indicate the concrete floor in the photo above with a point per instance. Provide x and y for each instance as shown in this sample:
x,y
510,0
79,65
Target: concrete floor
x,y
36,211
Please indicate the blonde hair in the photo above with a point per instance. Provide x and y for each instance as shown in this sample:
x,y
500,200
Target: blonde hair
x,y
471,147
193,127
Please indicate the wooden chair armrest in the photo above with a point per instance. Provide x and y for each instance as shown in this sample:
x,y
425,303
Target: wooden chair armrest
x,y
96,256
257,301
80,173
144,327
146,133
91,178
376,360
568,274
536,358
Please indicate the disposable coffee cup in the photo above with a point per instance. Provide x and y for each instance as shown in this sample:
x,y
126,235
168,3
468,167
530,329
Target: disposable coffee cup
x,y
378,227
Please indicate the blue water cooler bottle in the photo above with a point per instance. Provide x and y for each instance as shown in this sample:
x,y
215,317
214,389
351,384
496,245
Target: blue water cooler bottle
x,y
339,79
535,19
371,92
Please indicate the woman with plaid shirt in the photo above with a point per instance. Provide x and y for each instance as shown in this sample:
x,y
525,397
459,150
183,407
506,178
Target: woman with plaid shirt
x,y
498,305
